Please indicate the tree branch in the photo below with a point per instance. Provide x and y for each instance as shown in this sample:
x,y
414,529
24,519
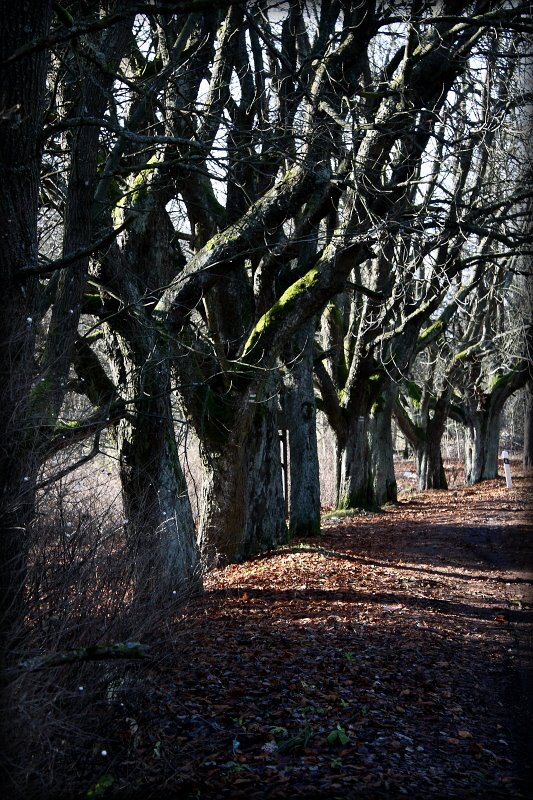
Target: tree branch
x,y
66,261
95,652
75,31
57,476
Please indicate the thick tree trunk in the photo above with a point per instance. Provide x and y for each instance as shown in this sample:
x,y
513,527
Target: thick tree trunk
x,y
482,432
492,438
265,504
481,416
159,523
424,434
429,467
159,526
528,426
381,446
22,92
355,487
427,446
222,508
299,408
243,508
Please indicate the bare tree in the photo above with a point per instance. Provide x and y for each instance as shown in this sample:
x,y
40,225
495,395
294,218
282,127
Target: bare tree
x,y
528,427
448,235
257,173
220,173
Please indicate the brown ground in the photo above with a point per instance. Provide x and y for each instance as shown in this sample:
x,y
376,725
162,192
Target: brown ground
x,y
389,658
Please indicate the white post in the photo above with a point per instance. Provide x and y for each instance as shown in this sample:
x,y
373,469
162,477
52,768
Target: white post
x,y
507,469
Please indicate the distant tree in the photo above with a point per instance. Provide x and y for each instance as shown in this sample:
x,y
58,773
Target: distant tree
x,y
422,415
416,280
527,457
495,364
484,322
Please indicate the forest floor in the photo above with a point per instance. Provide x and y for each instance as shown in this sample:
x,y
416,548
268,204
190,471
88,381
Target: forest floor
x,y
389,657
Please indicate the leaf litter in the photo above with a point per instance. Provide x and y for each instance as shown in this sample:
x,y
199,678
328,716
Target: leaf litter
x,y
385,658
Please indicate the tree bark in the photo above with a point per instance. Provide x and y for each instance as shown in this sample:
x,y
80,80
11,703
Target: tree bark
x,y
424,434
481,415
222,507
527,458
354,481
299,408
482,434
381,447
428,454
265,504
22,94
159,523
243,508
428,458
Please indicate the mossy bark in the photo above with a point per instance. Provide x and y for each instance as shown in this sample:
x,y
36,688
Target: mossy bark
x,y
242,508
481,415
424,433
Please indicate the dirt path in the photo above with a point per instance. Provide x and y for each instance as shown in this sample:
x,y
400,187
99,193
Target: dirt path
x,y
496,535
389,658
517,603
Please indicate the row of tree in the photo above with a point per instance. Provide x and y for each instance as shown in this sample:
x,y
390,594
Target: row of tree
x,y
230,212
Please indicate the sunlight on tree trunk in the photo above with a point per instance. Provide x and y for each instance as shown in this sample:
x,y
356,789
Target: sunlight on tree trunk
x,y
384,486
299,407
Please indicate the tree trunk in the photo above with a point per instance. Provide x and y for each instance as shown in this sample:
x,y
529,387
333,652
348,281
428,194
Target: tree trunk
x,y
159,523
481,416
482,432
528,426
243,508
428,455
492,440
428,458
222,507
424,434
22,93
337,463
381,446
354,484
299,408
265,504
